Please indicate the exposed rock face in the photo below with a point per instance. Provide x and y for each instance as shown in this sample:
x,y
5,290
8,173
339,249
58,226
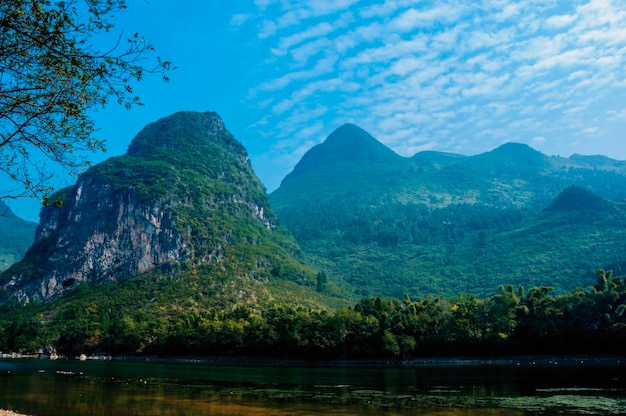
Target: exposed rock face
x,y
116,237
174,199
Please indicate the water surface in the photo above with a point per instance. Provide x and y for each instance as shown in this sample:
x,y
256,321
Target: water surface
x,y
469,388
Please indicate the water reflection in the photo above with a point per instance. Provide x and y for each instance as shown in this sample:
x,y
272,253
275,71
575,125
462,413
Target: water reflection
x,y
44,388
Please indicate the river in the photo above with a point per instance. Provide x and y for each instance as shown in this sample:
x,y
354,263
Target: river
x,y
511,387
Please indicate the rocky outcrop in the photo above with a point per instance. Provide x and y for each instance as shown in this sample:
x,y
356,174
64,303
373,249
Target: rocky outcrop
x,y
176,198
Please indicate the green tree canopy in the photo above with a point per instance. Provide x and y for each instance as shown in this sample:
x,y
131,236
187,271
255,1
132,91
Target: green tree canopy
x,y
51,75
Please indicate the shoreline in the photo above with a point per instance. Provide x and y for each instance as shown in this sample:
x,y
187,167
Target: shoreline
x,y
513,360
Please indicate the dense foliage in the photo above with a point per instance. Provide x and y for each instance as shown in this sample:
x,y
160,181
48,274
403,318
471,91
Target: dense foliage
x,y
388,249
146,316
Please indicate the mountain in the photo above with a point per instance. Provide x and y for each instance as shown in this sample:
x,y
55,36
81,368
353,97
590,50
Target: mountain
x,y
435,160
440,223
16,235
599,162
512,157
348,164
348,144
580,202
184,206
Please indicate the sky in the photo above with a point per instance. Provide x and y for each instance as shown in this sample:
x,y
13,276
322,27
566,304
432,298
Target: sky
x,y
446,75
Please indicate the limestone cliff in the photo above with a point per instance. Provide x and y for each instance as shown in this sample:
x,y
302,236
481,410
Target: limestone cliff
x,y
181,196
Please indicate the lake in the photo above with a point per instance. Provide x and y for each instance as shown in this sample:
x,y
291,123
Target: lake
x,y
511,387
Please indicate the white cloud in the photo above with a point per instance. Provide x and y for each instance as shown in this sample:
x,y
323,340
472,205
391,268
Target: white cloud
x,y
598,13
323,66
560,21
617,115
387,53
576,75
487,87
480,39
391,124
268,29
537,141
419,19
509,11
262,4
239,19
387,8
302,54
316,31
312,40
591,131
325,7
296,14
614,36
570,58
405,66
312,131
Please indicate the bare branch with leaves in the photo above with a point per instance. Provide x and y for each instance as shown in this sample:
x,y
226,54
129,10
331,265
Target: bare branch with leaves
x,y
51,75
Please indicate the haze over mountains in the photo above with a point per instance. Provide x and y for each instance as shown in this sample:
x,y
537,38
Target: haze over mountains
x,y
441,223
16,236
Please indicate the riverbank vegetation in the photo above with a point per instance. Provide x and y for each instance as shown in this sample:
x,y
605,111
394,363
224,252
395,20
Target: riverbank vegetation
x,y
512,321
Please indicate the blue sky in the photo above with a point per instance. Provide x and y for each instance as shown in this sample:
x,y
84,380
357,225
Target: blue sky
x,y
447,75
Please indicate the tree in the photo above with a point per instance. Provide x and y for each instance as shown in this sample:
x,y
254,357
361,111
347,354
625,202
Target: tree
x,y
502,312
469,316
539,320
321,281
51,75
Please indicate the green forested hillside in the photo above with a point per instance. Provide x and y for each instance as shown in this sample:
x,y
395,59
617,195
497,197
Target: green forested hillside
x,y
182,203
462,248
441,223
16,236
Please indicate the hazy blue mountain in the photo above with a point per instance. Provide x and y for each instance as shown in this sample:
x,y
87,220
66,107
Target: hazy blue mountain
x,y
509,159
16,235
348,164
443,223
435,160
598,162
577,201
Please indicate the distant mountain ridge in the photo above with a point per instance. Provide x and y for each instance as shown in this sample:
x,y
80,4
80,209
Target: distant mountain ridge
x,y
510,158
349,150
351,159
347,144
16,236
577,200
434,222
